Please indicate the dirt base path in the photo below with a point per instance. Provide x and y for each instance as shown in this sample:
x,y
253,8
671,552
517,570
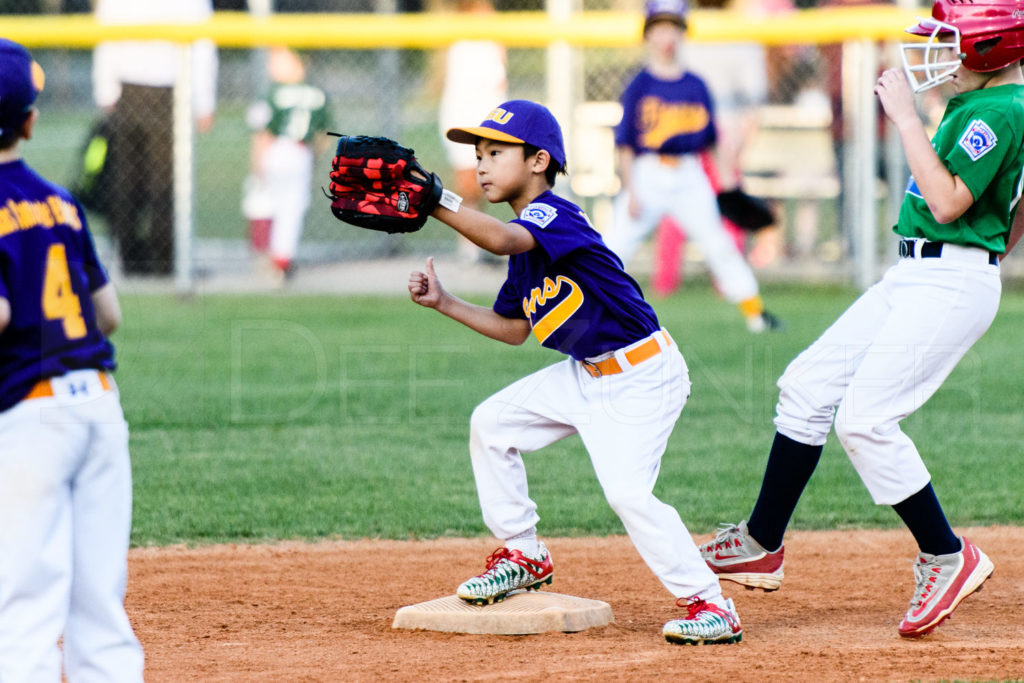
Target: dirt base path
x,y
323,612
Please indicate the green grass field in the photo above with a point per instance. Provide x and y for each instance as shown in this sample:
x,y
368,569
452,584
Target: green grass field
x,y
277,417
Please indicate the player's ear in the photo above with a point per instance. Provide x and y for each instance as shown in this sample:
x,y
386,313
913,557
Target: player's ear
x,y
541,161
29,125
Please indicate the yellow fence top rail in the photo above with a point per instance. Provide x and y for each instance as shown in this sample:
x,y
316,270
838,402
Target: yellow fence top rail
x,y
514,29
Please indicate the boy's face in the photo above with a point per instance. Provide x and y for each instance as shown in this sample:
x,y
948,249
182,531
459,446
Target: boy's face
x,y
965,80
502,170
664,39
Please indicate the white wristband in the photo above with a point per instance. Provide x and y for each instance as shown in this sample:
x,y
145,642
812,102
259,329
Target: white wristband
x,y
450,201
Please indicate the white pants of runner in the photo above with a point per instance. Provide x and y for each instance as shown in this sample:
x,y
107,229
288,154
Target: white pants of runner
x,y
682,191
883,358
624,421
289,175
65,518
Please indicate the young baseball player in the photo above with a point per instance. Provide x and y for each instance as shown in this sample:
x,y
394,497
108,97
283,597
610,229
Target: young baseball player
x,y
65,476
621,389
286,122
892,349
667,121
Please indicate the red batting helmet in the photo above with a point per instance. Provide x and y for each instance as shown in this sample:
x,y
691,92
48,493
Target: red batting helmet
x,y
984,35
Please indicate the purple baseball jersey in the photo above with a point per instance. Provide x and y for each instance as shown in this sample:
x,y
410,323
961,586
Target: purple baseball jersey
x,y
666,117
48,271
571,287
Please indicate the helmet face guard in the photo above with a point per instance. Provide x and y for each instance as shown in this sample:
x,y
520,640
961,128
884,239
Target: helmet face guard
x,y
934,61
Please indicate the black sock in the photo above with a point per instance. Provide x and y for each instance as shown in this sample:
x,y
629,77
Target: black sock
x,y
790,466
924,517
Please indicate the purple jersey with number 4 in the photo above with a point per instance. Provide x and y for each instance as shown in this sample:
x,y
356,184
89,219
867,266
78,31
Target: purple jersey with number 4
x,y
571,287
48,271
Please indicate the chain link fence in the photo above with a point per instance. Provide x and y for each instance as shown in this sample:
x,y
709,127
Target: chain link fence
x,y
793,157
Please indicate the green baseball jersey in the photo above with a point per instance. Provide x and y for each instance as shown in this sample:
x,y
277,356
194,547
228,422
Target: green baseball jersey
x,y
297,111
981,140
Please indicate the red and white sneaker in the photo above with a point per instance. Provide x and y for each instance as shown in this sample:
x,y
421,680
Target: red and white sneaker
x,y
704,623
508,570
735,556
943,581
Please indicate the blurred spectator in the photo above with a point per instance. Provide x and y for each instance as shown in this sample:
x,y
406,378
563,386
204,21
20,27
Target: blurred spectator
x,y
134,80
285,124
474,83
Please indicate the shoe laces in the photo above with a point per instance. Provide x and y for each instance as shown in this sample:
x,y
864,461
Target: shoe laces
x,y
497,556
693,606
926,575
696,607
728,536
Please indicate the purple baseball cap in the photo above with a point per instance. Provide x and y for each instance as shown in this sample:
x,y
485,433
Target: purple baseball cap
x,y
21,80
519,122
665,10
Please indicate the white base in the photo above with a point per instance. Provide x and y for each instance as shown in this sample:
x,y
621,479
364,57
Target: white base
x,y
522,612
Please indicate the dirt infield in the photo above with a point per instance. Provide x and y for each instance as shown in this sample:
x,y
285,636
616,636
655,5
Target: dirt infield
x,y
323,612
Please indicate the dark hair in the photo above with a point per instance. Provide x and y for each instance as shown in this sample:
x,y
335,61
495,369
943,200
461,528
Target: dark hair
x,y
552,171
12,133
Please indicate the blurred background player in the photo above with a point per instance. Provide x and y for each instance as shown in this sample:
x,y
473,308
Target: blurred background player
x,y
65,475
284,147
891,350
135,79
667,121
475,82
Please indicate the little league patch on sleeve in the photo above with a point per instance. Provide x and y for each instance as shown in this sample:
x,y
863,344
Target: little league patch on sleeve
x,y
978,139
541,214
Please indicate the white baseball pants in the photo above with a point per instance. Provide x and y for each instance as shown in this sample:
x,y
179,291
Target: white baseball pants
x,y
625,421
65,518
681,190
288,169
883,358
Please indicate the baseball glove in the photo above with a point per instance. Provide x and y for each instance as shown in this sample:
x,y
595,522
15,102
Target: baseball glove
x,y
746,212
377,184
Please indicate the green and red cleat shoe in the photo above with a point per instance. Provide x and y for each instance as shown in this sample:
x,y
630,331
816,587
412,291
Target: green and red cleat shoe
x,y
704,624
507,571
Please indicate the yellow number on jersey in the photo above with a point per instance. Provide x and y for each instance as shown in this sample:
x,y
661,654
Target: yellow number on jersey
x,y
59,299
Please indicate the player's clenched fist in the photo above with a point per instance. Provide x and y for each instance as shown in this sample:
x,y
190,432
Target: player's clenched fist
x,y
895,95
425,288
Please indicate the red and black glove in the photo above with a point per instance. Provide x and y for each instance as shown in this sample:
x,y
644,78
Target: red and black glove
x,y
377,184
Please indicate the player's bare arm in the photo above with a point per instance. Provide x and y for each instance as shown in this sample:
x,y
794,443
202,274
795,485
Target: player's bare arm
x,y
1016,231
946,194
5,313
486,231
108,309
426,290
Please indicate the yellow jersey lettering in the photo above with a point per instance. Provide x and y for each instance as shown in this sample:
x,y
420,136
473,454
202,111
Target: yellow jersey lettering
x,y
563,310
7,222
660,120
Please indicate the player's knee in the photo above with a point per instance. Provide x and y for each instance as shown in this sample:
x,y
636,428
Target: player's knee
x,y
799,418
485,419
625,503
852,430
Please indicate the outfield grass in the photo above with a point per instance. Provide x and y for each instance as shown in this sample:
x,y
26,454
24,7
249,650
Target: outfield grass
x,y
275,417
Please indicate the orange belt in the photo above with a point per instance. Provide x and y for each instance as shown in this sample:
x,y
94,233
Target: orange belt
x,y
638,354
44,389
672,160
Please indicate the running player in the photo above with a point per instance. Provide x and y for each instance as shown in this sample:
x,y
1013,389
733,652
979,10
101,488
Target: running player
x,y
65,476
893,348
621,389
